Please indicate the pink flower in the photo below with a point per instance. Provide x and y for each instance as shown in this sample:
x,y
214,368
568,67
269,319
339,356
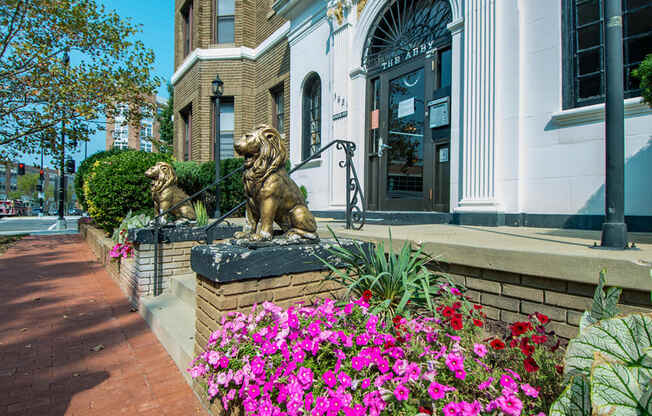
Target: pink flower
x,y
224,362
485,384
305,376
510,405
529,390
329,379
460,374
451,409
455,362
257,366
455,291
480,350
508,382
401,392
213,357
399,367
358,363
362,339
253,391
344,379
437,391
365,384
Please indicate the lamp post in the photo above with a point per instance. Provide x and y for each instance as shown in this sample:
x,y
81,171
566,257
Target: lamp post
x,y
61,221
217,88
614,229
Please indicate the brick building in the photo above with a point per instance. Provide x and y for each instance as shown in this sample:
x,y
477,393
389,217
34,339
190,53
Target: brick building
x,y
245,43
137,136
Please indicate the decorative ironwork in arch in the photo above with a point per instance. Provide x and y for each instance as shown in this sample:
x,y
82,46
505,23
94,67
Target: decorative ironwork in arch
x,y
406,29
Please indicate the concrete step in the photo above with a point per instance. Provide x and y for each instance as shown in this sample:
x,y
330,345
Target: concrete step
x,y
185,288
173,322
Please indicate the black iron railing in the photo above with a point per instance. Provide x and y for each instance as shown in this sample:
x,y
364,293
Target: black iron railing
x,y
355,216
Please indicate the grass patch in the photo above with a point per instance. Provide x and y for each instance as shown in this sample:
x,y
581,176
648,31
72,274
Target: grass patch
x,y
7,241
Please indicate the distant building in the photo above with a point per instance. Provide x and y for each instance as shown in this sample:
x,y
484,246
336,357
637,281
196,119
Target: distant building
x,y
122,135
9,182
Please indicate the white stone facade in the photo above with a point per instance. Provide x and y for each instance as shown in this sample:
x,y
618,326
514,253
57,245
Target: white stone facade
x,y
513,148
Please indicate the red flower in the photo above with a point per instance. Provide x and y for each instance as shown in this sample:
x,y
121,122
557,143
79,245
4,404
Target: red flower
x,y
555,347
520,328
456,324
513,343
424,410
526,348
448,312
366,295
457,305
477,307
397,319
530,365
497,344
478,323
542,318
560,369
539,339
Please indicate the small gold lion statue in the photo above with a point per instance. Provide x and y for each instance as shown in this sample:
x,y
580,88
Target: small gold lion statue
x,y
166,193
271,195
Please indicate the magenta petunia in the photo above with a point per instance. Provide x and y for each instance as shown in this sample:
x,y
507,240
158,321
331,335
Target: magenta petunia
x,y
436,391
401,392
329,378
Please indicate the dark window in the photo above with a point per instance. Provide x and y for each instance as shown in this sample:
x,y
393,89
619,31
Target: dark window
x,y
186,15
186,117
584,63
225,21
278,109
311,116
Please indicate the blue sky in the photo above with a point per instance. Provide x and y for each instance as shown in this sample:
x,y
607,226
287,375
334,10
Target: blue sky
x,y
157,33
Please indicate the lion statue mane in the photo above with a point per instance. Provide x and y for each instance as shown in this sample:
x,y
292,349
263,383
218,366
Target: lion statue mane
x,y
271,195
166,193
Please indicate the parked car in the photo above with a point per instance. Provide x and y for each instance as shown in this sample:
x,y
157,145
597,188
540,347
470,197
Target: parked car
x,y
75,211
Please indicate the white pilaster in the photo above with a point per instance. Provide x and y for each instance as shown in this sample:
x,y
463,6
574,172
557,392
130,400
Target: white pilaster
x,y
479,114
456,28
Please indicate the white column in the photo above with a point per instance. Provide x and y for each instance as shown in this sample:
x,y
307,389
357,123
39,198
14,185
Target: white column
x,y
479,114
456,28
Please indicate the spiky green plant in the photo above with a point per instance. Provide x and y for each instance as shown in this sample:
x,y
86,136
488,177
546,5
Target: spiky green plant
x,y
399,283
202,214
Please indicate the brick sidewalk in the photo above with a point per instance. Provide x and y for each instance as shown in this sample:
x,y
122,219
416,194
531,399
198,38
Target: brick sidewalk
x,y
57,306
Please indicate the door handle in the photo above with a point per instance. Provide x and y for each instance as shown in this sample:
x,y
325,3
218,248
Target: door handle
x,y
381,147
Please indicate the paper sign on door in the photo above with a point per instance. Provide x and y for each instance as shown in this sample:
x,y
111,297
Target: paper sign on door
x,y
406,107
375,116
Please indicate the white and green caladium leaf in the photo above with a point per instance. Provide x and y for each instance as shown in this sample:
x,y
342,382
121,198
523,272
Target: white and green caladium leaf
x,y
575,400
619,390
622,339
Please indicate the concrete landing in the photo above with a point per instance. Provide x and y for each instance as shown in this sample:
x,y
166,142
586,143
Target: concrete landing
x,y
553,253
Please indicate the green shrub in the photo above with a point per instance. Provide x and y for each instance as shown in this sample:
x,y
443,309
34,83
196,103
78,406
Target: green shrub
x,y
644,73
117,184
83,170
232,191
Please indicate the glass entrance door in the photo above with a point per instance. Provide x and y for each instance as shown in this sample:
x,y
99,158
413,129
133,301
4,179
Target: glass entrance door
x,y
406,172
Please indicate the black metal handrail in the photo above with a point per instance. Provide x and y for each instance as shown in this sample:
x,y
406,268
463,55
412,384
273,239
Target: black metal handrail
x,y
355,216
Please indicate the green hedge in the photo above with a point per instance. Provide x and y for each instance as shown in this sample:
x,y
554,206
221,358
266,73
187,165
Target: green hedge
x,y
117,184
83,170
192,177
644,74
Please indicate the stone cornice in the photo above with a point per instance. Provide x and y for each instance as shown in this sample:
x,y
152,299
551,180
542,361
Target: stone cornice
x,y
242,52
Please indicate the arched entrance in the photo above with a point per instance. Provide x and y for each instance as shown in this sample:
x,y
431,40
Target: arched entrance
x,y
407,56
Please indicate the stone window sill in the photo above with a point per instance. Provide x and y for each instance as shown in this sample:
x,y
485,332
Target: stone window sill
x,y
595,113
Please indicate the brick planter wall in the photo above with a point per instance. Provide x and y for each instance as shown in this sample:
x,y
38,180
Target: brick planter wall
x,y
135,275
510,297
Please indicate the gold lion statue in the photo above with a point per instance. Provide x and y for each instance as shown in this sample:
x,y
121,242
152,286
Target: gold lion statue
x,y
166,193
271,195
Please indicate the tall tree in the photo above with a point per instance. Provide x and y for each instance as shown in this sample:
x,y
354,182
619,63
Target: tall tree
x,y
26,185
38,87
166,124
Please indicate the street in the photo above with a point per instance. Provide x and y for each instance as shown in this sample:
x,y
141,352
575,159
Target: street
x,y
35,225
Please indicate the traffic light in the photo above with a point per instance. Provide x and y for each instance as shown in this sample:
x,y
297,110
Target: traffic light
x,y
41,174
21,169
70,166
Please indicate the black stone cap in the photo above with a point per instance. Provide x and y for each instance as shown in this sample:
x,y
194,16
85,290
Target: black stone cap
x,y
179,233
230,263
